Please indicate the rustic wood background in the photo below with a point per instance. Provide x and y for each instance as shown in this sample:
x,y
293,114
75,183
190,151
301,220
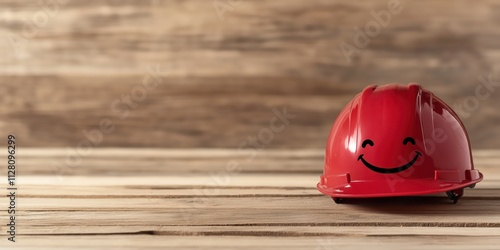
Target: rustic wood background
x,y
221,78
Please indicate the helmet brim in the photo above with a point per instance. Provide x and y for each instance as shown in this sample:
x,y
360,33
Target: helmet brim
x,y
393,187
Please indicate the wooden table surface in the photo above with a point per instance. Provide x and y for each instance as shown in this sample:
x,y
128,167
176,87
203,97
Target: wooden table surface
x,y
160,198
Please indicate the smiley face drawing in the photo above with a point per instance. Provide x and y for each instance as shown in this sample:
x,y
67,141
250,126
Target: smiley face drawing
x,y
389,170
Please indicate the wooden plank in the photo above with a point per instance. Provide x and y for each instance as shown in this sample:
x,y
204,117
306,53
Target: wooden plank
x,y
269,231
150,161
150,202
263,211
165,192
214,181
255,242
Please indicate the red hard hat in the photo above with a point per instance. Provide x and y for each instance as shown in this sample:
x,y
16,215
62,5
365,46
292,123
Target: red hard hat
x,y
396,140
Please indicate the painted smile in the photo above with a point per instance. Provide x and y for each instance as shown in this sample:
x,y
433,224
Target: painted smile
x,y
390,170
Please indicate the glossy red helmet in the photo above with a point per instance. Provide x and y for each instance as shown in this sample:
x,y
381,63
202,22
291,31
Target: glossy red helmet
x,y
397,140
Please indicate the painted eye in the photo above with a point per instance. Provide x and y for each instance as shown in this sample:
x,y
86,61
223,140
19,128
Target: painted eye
x,y
367,142
410,140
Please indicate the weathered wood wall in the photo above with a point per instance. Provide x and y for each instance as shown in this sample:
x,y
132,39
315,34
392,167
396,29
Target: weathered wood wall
x,y
220,79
